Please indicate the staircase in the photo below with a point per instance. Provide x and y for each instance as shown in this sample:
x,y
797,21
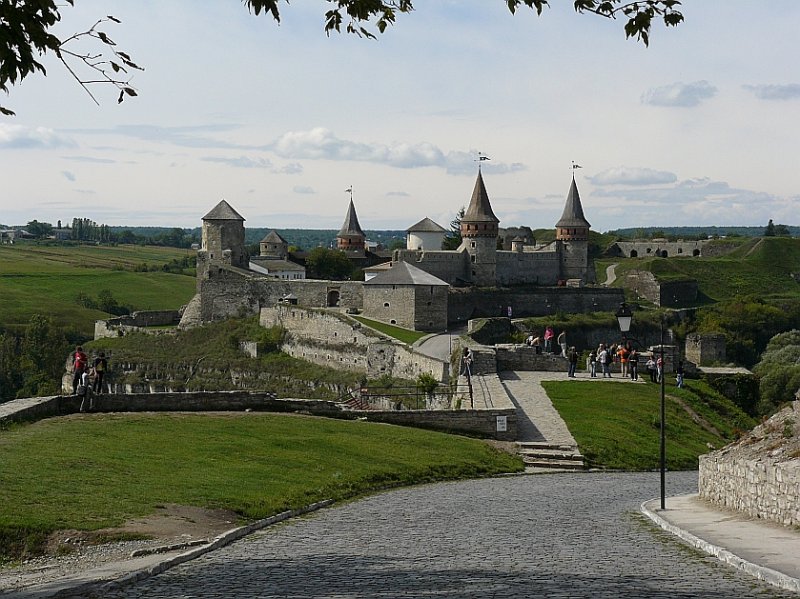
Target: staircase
x,y
550,455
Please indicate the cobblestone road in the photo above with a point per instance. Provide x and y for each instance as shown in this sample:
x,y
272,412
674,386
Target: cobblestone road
x,y
553,535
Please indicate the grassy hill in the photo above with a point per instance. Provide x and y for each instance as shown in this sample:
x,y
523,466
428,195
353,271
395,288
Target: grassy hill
x,y
47,279
616,425
94,471
761,267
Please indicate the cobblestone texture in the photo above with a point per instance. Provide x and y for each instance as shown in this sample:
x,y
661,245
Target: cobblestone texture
x,y
554,535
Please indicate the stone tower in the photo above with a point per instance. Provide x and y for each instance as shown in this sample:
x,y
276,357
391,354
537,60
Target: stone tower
x,y
351,238
479,236
572,235
273,246
223,236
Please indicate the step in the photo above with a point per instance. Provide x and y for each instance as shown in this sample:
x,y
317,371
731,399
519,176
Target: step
x,y
555,464
551,454
545,445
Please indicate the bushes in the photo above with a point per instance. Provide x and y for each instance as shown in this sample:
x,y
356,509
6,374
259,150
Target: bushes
x,y
779,371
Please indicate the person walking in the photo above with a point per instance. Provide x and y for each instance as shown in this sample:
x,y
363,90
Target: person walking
x,y
100,368
651,369
79,363
679,375
572,356
659,369
633,364
604,360
466,362
591,364
548,339
622,358
562,342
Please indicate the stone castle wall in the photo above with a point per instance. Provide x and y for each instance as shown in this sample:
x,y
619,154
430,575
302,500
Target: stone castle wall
x,y
662,249
671,294
465,304
450,266
420,308
116,327
760,474
338,341
227,292
521,268
705,348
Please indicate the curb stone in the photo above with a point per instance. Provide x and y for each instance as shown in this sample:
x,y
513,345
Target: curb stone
x,y
97,588
768,575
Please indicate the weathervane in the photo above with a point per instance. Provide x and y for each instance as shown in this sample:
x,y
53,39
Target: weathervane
x,y
350,191
574,166
481,158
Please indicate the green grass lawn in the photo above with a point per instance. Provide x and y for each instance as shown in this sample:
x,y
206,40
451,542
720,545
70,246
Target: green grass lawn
x,y
47,280
616,425
405,335
94,471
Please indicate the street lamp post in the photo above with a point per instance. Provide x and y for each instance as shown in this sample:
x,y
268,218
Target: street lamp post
x,y
625,317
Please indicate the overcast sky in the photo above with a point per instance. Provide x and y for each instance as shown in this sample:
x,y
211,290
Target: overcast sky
x,y
701,128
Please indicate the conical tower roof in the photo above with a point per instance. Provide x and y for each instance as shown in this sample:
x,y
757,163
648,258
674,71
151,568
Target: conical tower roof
x,y
223,211
479,210
351,228
273,237
573,211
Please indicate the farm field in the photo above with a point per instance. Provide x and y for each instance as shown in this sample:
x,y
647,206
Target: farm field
x,y
47,280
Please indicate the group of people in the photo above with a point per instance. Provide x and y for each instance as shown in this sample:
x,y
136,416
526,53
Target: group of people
x,y
545,342
86,376
605,355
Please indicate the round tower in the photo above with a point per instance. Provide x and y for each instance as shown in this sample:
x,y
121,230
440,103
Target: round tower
x,y
350,237
572,235
479,235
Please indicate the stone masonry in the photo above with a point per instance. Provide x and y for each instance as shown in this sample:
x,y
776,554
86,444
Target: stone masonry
x,y
338,341
758,475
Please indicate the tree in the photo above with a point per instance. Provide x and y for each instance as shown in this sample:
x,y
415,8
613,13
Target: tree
x,y
25,32
782,231
770,230
323,263
453,238
39,230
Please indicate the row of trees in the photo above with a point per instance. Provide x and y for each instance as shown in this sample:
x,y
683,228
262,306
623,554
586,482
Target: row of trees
x,y
85,229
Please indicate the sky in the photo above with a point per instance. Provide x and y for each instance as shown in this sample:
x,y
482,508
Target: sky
x,y
700,128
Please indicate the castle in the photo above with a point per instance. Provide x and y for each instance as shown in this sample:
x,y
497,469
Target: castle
x,y
423,287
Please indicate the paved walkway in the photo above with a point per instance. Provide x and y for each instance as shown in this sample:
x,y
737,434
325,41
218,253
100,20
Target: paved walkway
x,y
551,535
611,274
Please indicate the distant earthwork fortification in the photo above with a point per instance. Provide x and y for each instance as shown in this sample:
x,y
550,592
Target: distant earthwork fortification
x,y
421,287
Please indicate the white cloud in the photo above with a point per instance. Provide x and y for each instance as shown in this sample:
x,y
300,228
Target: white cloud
x,y
679,94
17,137
69,176
89,159
623,175
322,144
257,162
303,189
789,91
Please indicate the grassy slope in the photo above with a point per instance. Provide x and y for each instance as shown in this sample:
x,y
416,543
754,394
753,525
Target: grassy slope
x,y
758,267
94,471
616,425
405,335
47,279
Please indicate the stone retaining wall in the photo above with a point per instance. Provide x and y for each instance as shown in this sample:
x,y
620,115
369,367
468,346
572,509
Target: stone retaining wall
x,y
760,474
116,327
483,423
338,341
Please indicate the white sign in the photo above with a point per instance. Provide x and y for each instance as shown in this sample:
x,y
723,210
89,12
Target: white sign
x,y
502,424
